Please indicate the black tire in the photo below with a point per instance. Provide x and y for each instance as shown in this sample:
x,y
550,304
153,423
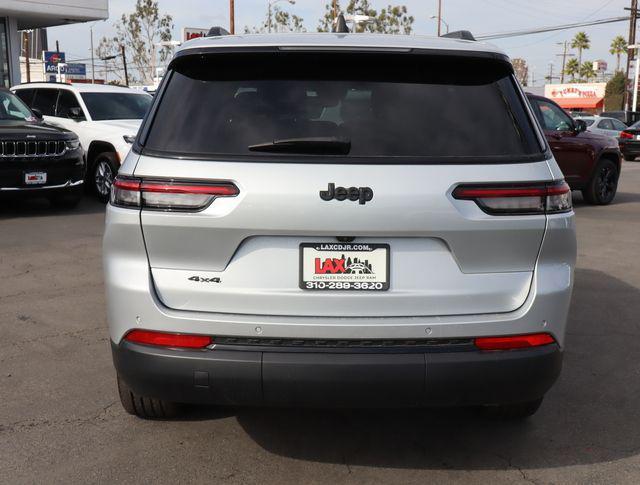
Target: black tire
x,y
603,185
145,407
514,411
103,170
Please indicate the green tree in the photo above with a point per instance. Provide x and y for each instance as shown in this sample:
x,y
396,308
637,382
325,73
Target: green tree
x,y
614,92
586,71
581,42
281,21
139,32
618,47
394,19
572,68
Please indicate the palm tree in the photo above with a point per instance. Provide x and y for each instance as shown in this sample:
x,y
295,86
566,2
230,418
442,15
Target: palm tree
x,y
581,42
618,47
586,71
572,68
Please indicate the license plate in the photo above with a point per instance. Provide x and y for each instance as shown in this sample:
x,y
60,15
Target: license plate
x,y
35,178
637,137
344,266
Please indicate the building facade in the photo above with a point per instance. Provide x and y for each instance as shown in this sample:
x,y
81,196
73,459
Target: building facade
x,y
18,15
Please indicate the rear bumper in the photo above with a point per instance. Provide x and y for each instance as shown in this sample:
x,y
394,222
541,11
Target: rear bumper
x,y
630,149
335,377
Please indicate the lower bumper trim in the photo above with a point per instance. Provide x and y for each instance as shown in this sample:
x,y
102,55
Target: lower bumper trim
x,y
245,377
67,184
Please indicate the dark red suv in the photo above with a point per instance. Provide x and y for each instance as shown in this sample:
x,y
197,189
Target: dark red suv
x,y
590,162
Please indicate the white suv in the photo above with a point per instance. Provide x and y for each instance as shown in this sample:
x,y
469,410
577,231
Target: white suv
x,y
105,118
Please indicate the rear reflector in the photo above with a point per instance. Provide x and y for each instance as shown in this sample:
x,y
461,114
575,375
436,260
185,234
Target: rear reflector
x,y
518,199
513,341
172,340
168,195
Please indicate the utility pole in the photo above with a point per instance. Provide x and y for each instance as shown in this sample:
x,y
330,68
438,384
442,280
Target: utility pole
x,y
631,41
550,76
25,35
564,56
335,10
93,66
57,46
232,20
124,63
439,17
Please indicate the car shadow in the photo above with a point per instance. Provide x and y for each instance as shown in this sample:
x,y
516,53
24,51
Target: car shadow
x,y
40,207
590,416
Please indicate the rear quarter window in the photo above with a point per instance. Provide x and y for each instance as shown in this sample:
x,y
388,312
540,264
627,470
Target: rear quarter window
x,y
419,107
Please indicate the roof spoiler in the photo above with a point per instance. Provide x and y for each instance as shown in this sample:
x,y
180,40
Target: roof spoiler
x,y
460,34
217,32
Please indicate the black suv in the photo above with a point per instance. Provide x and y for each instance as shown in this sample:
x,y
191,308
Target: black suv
x,y
36,159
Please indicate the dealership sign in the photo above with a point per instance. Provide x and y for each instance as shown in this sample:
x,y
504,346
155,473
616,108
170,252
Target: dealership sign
x,y
51,61
576,90
75,69
189,33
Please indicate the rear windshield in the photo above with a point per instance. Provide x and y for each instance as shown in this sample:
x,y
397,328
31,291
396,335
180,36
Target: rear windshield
x,y
393,106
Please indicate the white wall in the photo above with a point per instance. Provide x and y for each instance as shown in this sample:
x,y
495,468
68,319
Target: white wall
x,y
47,13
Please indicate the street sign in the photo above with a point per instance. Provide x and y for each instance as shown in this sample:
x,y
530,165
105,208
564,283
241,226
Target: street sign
x,y
51,61
75,69
189,33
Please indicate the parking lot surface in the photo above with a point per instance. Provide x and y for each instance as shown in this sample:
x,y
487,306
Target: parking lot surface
x,y
61,421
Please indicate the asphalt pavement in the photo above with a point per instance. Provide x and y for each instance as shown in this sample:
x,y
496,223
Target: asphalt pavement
x,y
61,420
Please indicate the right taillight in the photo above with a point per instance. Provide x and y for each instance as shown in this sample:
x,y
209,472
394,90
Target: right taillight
x,y
518,199
625,135
168,195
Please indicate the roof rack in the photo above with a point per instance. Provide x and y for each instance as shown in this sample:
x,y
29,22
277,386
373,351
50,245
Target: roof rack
x,y
460,34
217,32
45,82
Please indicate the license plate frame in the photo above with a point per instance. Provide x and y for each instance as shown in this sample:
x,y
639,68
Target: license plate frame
x,y
35,178
358,266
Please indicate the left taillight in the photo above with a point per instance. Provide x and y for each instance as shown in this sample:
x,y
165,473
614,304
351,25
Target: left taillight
x,y
169,340
518,199
625,135
169,195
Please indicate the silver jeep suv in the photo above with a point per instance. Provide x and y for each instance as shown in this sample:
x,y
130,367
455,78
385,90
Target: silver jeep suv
x,y
338,220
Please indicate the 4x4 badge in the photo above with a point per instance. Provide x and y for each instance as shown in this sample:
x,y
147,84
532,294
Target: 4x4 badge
x,y
362,194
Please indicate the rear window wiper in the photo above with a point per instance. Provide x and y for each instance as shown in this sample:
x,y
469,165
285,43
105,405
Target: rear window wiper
x,y
321,145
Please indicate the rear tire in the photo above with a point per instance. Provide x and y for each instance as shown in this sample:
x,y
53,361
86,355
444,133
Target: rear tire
x,y
603,185
145,407
103,172
514,411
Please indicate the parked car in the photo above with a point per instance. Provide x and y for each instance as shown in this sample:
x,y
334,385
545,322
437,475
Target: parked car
x,y
318,239
36,159
590,162
603,126
627,117
106,119
630,142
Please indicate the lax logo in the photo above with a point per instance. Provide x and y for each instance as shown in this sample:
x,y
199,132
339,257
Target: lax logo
x,y
343,266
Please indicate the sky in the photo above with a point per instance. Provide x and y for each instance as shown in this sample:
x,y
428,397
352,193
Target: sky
x,y
478,16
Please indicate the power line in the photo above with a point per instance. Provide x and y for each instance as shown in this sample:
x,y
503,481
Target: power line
x,y
518,33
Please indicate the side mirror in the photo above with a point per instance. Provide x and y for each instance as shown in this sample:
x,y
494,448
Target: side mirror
x,y
579,126
76,114
37,113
